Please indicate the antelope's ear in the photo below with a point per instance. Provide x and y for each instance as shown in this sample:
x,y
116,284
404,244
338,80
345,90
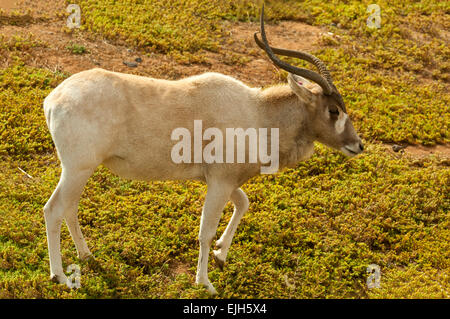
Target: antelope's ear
x,y
303,88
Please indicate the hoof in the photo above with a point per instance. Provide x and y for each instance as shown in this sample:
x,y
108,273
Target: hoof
x,y
58,279
54,278
219,262
93,263
211,290
219,244
86,257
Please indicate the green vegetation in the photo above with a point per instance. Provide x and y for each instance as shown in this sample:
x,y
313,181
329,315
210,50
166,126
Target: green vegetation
x,y
18,48
77,48
311,231
23,130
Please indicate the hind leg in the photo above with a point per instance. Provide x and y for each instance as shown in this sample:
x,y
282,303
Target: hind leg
x,y
71,218
64,204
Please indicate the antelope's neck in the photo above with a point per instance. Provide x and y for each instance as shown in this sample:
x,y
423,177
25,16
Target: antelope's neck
x,y
282,109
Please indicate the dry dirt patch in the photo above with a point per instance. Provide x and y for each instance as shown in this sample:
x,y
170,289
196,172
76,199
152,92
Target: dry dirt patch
x,y
421,152
8,5
251,65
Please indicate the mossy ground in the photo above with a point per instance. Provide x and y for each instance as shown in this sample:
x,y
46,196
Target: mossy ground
x,y
310,231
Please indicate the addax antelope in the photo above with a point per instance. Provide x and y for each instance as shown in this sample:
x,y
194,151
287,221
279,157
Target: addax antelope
x,y
126,123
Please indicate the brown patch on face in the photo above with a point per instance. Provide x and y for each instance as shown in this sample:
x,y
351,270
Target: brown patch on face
x,y
333,127
349,135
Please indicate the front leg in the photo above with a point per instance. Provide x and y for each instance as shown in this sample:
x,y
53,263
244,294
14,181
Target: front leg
x,y
240,202
216,198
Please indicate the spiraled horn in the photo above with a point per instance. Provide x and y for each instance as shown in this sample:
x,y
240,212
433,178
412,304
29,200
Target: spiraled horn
x,y
311,75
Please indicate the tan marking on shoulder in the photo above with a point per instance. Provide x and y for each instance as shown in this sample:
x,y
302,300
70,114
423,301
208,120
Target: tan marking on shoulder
x,y
278,93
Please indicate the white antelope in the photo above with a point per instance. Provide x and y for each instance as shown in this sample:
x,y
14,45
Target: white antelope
x,y
125,122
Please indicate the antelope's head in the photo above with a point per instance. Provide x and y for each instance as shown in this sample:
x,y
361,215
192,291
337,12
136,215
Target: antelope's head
x,y
329,121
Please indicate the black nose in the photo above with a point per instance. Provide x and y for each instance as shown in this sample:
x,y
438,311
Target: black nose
x,y
361,146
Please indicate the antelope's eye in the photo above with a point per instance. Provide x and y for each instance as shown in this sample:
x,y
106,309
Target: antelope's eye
x,y
334,111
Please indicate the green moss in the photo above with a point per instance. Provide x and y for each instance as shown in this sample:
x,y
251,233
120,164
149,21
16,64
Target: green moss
x,y
18,47
310,232
77,48
23,130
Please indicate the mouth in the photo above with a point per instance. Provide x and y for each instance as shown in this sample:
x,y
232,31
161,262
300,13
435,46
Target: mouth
x,y
349,152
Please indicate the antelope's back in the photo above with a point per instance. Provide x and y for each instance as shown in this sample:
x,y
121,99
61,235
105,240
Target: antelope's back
x,y
126,121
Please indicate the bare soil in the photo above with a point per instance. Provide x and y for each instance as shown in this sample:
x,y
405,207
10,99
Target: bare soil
x,y
8,5
46,23
421,152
